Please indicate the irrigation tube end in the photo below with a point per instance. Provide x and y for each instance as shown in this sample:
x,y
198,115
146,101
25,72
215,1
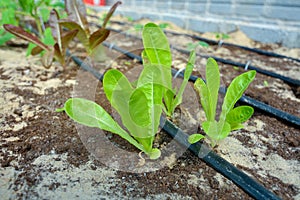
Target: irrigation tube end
x,y
111,45
247,65
220,43
178,72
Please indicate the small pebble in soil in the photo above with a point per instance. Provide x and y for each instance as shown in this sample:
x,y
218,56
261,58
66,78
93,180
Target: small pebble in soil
x,y
52,152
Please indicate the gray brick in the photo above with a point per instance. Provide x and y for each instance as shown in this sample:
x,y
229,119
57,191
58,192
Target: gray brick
x,y
139,3
210,26
152,16
276,35
202,26
134,15
285,13
126,3
249,10
284,3
251,2
196,1
178,20
196,8
221,9
226,27
263,34
163,6
148,4
292,39
178,5
274,21
221,1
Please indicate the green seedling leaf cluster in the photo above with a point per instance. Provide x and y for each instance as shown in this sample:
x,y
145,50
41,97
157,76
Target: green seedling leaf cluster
x,y
157,52
191,46
172,99
139,103
222,36
139,108
230,118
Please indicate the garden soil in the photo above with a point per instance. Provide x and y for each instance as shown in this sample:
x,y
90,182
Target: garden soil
x,y
46,155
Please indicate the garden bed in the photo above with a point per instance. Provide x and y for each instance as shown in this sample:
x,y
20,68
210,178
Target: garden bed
x,y
42,155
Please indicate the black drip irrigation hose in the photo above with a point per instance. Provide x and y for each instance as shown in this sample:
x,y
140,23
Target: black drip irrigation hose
x,y
85,66
255,50
242,180
244,99
215,42
247,66
287,80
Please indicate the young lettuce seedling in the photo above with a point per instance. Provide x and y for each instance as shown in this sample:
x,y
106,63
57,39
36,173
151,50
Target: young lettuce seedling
x,y
139,108
157,53
191,46
140,105
76,11
57,51
230,118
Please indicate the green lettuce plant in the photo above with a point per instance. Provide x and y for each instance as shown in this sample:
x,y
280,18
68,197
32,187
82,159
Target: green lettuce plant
x,y
222,36
192,46
140,103
172,97
230,118
140,108
139,27
157,52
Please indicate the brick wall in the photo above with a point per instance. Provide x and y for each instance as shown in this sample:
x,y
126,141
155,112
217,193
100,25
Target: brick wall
x,y
269,21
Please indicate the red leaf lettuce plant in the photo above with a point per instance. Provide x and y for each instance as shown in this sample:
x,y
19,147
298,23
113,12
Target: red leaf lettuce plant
x,y
57,50
77,25
77,20
14,11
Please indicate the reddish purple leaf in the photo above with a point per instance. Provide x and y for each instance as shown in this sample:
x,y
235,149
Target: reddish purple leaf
x,y
48,58
21,33
55,27
67,38
98,37
81,35
110,13
58,55
77,12
36,50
